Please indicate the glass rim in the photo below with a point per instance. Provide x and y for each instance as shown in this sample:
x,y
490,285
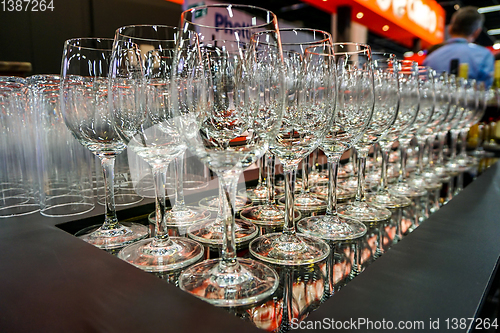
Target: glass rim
x,y
366,48
319,41
72,43
117,31
197,8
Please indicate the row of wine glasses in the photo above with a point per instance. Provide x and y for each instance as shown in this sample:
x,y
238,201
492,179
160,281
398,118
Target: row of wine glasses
x,y
230,96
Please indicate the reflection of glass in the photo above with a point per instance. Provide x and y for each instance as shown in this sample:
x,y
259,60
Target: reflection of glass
x,y
84,105
308,115
218,90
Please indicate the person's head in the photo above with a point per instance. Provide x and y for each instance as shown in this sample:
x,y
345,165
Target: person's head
x,y
466,22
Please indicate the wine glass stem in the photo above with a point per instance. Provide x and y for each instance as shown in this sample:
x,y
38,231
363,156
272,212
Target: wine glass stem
x,y
421,148
454,137
383,174
270,161
161,233
441,139
290,173
228,181
463,141
108,167
430,156
360,192
332,162
305,175
402,169
180,204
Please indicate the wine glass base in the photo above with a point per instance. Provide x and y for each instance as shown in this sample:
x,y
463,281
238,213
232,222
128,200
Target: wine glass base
x,y
122,235
343,194
289,249
267,215
186,217
178,252
308,202
407,190
246,283
211,232
331,227
212,203
363,212
388,200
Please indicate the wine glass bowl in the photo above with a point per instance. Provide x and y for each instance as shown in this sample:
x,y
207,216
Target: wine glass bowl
x,y
85,108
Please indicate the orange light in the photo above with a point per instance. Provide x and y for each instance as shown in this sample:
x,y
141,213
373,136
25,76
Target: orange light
x,y
359,15
385,27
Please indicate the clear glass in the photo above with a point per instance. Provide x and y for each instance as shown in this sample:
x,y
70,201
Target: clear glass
x,y
227,121
140,109
84,105
308,116
422,96
384,104
270,213
349,123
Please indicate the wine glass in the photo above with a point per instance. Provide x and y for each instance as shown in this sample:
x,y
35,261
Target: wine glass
x,y
349,123
407,112
84,105
143,118
307,118
384,104
294,42
228,99
156,44
425,103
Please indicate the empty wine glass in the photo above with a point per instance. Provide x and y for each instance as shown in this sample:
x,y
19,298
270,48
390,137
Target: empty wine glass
x,y
142,116
407,112
228,98
349,123
84,105
383,100
308,116
294,42
156,44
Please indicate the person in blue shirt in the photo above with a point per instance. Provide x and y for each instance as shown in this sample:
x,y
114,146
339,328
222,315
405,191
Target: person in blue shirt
x,y
464,28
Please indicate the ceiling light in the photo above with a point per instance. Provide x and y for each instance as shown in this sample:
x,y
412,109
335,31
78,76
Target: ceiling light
x,y
385,27
457,6
494,32
488,9
359,15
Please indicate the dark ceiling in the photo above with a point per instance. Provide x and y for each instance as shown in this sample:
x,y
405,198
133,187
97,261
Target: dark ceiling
x,y
308,16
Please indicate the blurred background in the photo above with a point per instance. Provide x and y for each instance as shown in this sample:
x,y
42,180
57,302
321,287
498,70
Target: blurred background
x,y
32,41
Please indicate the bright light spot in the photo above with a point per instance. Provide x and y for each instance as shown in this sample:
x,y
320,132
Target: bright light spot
x,y
420,53
359,15
457,6
408,54
496,46
385,27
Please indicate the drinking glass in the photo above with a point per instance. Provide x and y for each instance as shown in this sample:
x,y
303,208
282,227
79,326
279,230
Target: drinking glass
x,y
407,112
349,123
156,44
425,104
142,116
19,193
294,42
84,105
308,116
383,100
228,100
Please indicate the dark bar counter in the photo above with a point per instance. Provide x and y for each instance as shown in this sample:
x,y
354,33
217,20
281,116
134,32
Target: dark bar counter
x,y
50,281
